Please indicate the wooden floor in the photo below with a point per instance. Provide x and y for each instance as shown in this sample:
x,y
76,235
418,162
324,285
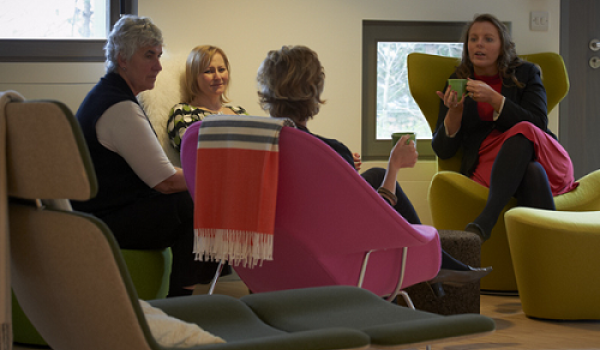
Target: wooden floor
x,y
514,330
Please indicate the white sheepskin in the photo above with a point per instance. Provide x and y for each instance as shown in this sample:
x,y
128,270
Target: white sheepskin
x,y
167,92
171,332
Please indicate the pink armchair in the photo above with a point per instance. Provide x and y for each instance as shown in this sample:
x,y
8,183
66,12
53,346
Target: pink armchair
x,y
331,227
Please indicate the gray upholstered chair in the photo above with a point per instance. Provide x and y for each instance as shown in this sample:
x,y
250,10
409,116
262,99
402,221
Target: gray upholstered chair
x,y
72,283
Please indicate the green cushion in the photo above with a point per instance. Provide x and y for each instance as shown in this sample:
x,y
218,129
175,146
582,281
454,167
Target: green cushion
x,y
349,307
149,271
23,331
235,322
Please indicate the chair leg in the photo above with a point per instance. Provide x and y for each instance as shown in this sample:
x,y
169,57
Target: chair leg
x,y
398,289
363,268
407,299
213,283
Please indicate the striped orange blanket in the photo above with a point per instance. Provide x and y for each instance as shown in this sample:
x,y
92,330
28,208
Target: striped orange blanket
x,y
236,188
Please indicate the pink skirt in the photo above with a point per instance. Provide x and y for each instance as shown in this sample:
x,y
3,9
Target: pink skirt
x,y
548,152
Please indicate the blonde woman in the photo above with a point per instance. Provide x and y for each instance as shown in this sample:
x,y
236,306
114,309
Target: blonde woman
x,y
206,86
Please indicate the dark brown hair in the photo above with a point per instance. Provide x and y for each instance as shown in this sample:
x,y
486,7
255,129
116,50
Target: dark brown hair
x,y
507,59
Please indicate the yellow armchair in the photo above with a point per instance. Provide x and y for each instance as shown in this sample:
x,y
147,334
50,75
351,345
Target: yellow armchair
x,y
456,200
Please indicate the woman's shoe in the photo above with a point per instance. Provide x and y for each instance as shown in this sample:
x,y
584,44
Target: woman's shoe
x,y
478,230
437,289
458,278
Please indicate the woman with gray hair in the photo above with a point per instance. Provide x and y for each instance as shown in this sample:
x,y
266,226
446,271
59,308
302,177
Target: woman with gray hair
x,y
141,196
290,82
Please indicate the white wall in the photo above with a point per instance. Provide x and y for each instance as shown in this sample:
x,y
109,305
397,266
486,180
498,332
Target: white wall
x,y
246,30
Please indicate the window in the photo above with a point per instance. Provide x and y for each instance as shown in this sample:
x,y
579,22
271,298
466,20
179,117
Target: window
x,y
387,104
58,30
396,110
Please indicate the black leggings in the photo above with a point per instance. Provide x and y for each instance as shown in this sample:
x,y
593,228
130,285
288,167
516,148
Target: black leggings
x,y
404,207
515,173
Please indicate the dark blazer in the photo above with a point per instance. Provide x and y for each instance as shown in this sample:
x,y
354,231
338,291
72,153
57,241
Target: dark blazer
x,y
521,104
337,146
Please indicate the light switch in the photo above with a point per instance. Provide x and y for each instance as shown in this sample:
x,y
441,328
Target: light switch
x,y
538,20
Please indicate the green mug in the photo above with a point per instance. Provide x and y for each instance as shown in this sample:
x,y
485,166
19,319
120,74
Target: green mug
x,y
458,85
398,135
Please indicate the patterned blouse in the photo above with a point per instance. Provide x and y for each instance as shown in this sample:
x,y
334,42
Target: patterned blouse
x,y
183,115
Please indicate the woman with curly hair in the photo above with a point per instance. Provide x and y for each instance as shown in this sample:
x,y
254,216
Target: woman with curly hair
x,y
502,126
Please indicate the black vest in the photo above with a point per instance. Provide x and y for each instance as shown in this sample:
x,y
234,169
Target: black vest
x,y
118,184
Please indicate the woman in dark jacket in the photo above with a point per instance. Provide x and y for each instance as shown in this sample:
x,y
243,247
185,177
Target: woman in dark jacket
x,y
502,126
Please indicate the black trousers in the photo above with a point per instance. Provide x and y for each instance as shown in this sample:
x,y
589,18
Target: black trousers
x,y
404,207
158,222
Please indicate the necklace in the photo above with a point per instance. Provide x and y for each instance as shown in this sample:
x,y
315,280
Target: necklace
x,y
215,111
212,111
218,111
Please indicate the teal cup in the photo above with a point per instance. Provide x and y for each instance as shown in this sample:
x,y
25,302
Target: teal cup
x,y
398,135
458,85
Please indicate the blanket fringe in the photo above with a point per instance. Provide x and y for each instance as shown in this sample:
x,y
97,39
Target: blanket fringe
x,y
248,248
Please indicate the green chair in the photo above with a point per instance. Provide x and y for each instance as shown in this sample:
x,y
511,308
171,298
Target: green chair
x,y
456,200
556,261
85,299
149,271
23,331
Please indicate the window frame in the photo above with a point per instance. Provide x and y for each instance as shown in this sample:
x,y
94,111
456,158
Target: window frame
x,y
59,50
375,31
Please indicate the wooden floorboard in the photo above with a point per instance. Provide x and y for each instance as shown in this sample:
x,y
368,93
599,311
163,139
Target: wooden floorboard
x,y
514,330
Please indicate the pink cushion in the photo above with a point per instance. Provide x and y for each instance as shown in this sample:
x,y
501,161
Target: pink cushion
x,y
189,144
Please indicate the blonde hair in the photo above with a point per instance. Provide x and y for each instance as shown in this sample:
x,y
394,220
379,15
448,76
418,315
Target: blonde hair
x,y
290,82
197,62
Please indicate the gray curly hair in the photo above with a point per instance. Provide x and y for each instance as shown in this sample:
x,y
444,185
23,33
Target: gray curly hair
x,y
127,36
